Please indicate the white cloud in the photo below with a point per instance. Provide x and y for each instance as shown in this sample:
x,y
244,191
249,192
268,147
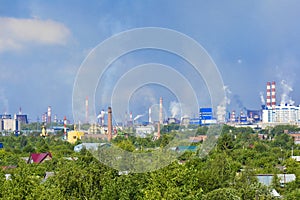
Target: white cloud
x,y
16,33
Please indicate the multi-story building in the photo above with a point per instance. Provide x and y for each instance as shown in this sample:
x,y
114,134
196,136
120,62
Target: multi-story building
x,y
284,113
206,116
10,125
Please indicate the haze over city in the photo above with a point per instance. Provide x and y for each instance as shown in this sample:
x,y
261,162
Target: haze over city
x,y
43,44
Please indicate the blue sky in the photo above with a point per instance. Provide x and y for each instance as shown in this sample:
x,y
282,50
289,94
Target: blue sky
x,y
43,43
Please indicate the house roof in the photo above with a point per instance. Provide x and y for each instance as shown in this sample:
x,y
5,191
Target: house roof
x,y
286,178
274,193
266,179
198,138
38,157
89,146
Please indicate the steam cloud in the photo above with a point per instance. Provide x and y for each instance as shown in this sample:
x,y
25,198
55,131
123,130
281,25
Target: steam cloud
x,y
175,108
286,89
137,117
239,103
221,108
262,99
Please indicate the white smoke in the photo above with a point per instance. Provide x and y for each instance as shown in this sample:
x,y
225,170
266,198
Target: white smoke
x,y
137,117
262,99
175,108
286,90
101,114
221,108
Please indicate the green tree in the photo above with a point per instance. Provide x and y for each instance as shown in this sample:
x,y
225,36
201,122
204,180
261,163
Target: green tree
x,y
222,194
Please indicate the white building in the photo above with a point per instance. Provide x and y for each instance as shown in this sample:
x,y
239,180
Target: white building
x,y
284,113
9,125
143,131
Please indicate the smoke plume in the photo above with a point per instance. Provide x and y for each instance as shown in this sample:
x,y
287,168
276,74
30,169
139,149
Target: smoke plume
x,y
175,108
221,108
262,99
286,90
137,117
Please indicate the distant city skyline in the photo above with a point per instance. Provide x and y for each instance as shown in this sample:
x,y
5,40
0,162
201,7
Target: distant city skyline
x,y
42,45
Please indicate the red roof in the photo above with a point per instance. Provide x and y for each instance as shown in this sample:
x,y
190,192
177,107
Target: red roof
x,y
38,157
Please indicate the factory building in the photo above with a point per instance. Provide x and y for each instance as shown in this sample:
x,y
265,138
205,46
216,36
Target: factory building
x,y
21,118
283,113
254,116
206,116
194,121
7,123
238,119
5,116
143,131
11,125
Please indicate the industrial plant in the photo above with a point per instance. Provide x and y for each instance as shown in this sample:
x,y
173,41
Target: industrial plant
x,y
270,114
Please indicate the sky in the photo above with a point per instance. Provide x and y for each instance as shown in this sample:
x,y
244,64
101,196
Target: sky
x,y
44,43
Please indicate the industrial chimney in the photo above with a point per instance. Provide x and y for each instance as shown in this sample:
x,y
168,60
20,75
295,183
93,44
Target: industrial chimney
x,y
150,119
269,94
109,124
161,110
273,100
49,115
160,117
130,117
65,127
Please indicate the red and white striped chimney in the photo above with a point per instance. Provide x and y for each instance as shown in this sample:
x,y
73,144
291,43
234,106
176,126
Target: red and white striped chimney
x,y
65,127
269,94
273,100
49,115
232,116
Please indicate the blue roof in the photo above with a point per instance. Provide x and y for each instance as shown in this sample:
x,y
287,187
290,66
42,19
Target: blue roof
x,y
186,148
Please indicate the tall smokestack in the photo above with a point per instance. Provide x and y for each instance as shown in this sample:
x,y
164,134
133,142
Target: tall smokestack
x,y
87,109
109,124
49,115
150,119
20,111
232,116
65,127
273,100
161,110
44,117
130,117
269,94
160,116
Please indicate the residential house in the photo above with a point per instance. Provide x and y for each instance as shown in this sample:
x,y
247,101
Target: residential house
x,y
39,157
